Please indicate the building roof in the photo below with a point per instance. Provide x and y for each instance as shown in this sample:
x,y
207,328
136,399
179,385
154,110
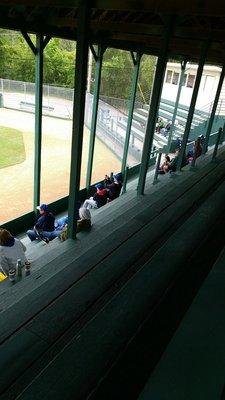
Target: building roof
x,y
193,67
135,25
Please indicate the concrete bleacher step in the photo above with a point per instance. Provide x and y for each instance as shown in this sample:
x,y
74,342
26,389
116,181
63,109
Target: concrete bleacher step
x,y
135,124
132,369
38,250
65,375
196,351
142,111
142,218
139,133
140,118
110,212
138,126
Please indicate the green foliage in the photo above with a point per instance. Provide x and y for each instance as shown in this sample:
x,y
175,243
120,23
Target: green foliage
x,y
12,150
59,63
18,63
116,74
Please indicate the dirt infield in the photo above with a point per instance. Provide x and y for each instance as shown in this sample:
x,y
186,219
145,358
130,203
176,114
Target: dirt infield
x,y
16,182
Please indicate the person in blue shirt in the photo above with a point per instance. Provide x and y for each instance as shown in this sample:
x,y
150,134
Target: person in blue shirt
x,y
44,226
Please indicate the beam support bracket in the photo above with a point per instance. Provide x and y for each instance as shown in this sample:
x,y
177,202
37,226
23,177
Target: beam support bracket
x,y
29,42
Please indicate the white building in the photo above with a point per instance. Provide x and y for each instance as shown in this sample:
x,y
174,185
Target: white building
x,y
207,90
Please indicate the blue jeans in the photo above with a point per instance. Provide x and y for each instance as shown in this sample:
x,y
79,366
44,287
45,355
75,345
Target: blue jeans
x,y
33,235
61,222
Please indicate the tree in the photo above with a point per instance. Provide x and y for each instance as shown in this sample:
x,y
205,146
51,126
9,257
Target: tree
x,y
18,63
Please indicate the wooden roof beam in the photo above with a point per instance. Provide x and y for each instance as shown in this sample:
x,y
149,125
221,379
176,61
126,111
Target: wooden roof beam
x,y
189,7
41,3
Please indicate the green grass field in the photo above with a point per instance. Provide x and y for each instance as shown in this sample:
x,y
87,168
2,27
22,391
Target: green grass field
x,y
12,150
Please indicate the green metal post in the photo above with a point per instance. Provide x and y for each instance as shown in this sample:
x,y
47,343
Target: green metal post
x,y
154,106
131,110
38,118
155,179
78,113
192,105
219,135
223,134
181,81
98,70
212,116
125,177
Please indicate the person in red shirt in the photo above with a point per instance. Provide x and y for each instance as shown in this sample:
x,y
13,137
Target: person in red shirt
x,y
99,199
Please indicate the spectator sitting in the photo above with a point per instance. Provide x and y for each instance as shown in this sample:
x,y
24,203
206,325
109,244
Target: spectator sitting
x,y
11,249
198,147
168,126
107,180
196,151
160,124
202,139
165,167
83,224
174,161
99,199
44,225
115,187
165,130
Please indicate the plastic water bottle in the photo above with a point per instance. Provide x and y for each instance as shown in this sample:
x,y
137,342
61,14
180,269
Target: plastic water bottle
x,y
19,268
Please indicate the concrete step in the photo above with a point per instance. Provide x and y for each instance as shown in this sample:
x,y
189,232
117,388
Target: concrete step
x,y
197,349
120,317
140,118
142,111
110,214
142,218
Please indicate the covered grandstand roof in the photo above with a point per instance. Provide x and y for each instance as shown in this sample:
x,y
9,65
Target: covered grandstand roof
x,y
135,25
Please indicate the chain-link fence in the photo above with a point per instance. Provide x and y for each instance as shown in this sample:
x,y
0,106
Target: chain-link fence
x,y
58,103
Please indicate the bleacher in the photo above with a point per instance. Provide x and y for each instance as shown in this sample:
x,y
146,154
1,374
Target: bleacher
x,y
166,109
48,346
192,366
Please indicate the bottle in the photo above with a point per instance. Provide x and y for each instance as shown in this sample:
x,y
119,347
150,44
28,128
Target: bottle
x,y
12,274
27,268
19,268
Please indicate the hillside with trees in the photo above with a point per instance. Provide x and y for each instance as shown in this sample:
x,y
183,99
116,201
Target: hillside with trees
x,y
18,63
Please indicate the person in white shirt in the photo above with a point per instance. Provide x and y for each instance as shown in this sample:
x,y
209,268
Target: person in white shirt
x,y
11,249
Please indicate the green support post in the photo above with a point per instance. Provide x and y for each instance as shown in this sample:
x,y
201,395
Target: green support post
x,y
212,116
38,117
136,62
125,177
78,113
38,50
98,69
192,105
181,81
154,106
158,162
219,135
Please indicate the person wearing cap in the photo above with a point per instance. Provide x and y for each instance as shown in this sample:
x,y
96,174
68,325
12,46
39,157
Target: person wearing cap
x,y
115,187
99,199
83,224
44,225
107,180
